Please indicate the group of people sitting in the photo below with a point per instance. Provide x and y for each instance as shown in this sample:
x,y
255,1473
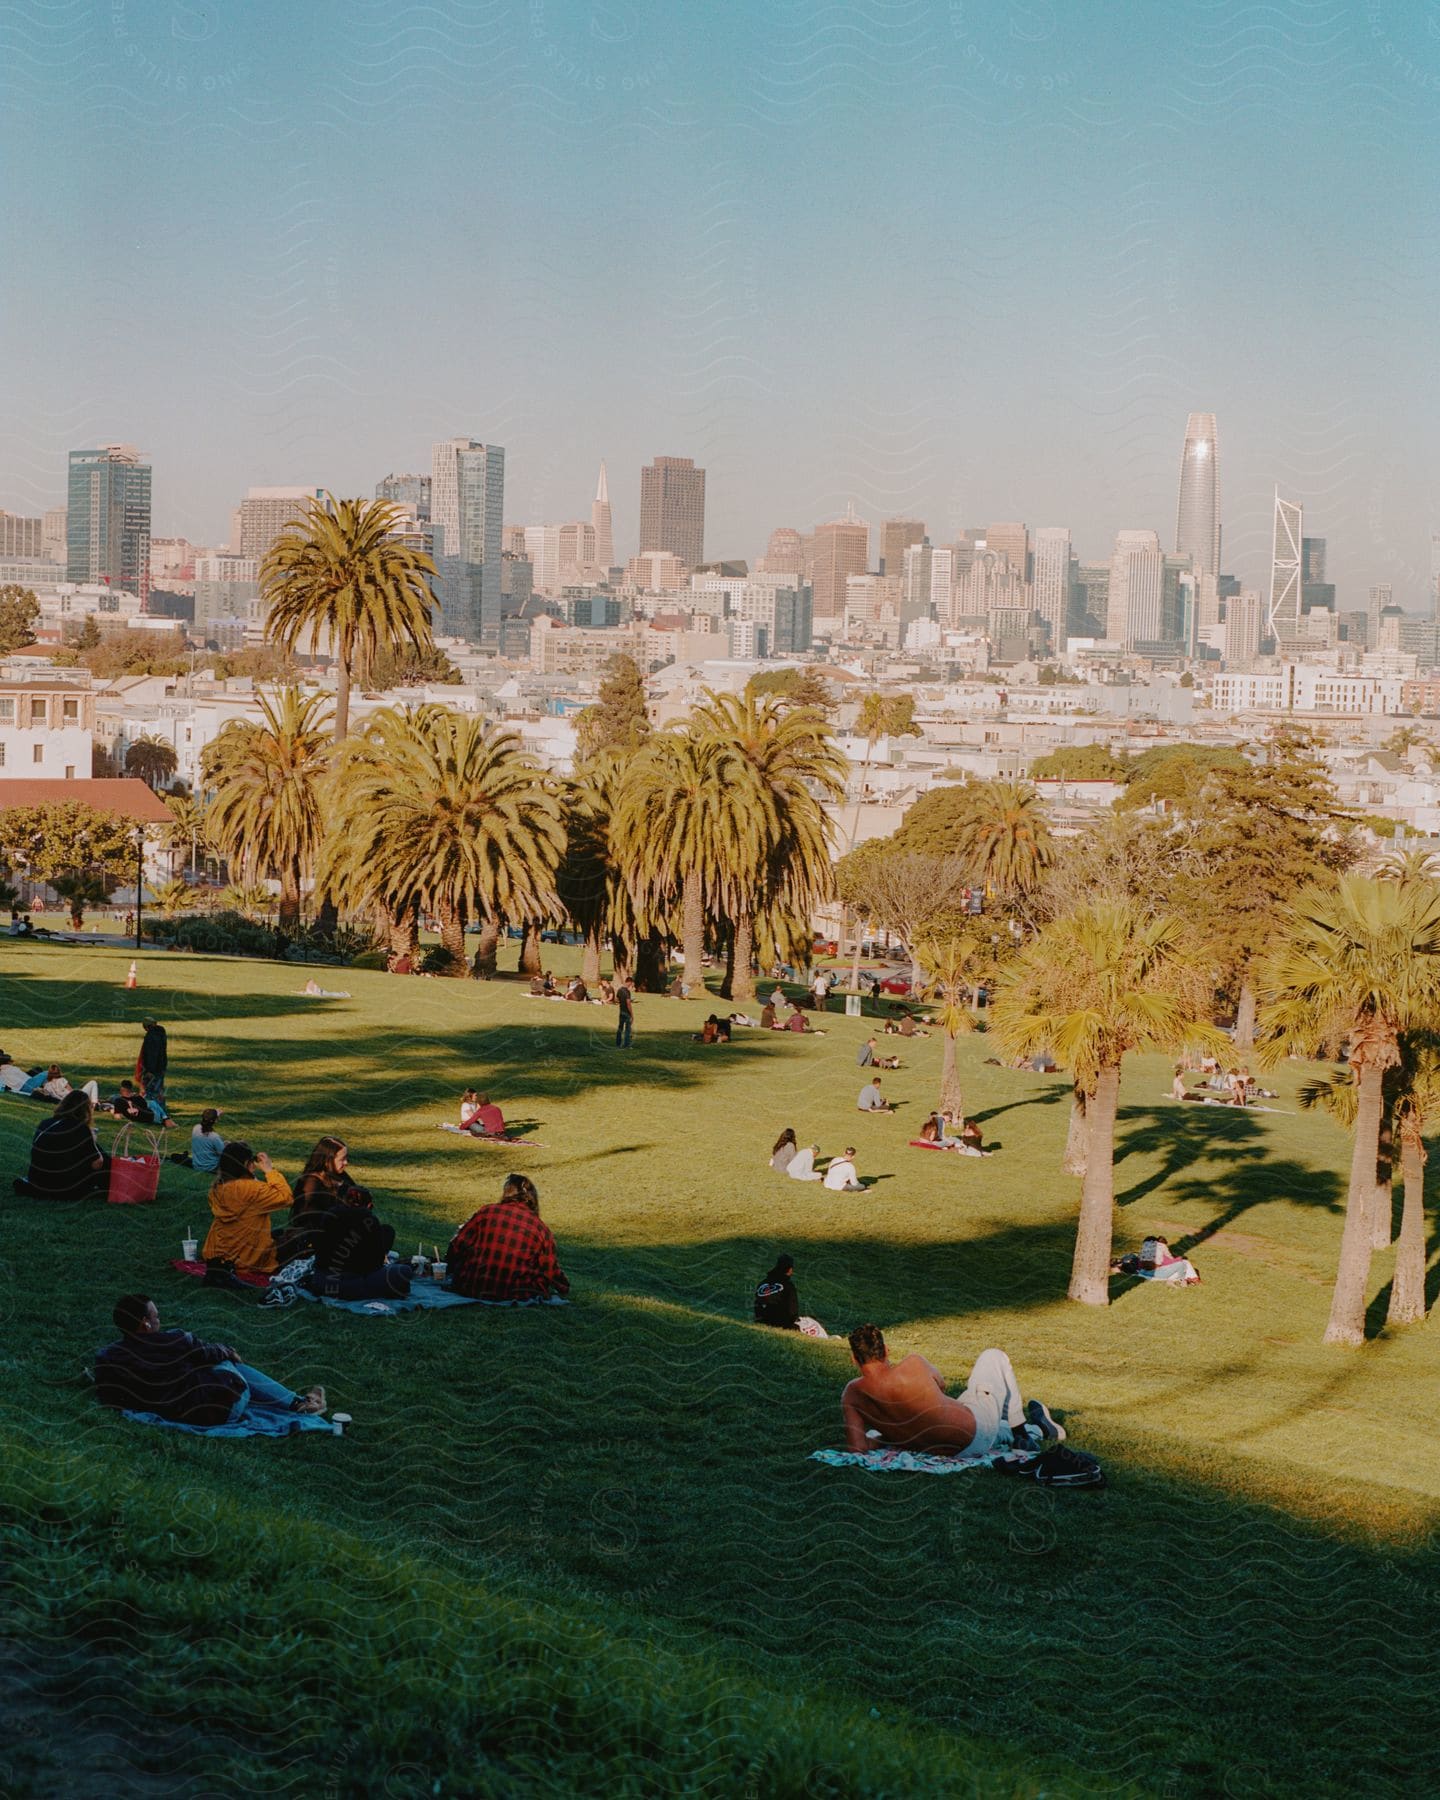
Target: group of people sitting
x,y
954,1133
544,987
1219,1087
770,1019
797,1161
867,1057
1157,1261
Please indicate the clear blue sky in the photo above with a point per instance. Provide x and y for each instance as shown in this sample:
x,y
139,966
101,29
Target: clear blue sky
x,y
943,257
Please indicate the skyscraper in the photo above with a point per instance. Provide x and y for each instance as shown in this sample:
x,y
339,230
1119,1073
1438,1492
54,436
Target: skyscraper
x,y
53,539
267,511
672,509
21,536
1197,521
108,519
896,537
1282,618
1011,540
915,576
841,548
784,554
1052,581
600,519
1244,615
1377,599
410,491
467,507
1137,574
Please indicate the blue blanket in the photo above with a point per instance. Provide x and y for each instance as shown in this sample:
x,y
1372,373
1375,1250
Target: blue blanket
x,y
259,1421
424,1294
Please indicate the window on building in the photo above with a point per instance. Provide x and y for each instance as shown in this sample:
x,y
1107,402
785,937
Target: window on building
x,y
38,754
69,771
2,756
37,712
72,712
7,710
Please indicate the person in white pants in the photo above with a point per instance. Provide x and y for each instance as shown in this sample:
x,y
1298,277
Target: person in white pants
x,y
904,1405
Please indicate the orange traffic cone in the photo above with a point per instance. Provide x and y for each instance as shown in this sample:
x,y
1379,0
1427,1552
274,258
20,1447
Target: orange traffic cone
x,y
132,979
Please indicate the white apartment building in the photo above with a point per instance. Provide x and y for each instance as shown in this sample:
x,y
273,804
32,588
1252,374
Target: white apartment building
x,y
1302,688
46,729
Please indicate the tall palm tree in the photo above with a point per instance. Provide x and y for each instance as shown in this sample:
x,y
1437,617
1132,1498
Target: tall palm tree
x,y
151,760
1409,863
951,967
437,809
591,878
669,833
1412,1101
776,770
1005,837
340,576
1095,985
267,776
1363,958
186,830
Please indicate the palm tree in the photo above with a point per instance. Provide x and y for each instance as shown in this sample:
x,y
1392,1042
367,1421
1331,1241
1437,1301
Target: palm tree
x,y
248,899
1408,864
433,808
186,830
669,833
1361,958
1095,985
175,897
340,576
879,713
776,769
267,776
1412,1104
591,878
951,966
1005,837
151,760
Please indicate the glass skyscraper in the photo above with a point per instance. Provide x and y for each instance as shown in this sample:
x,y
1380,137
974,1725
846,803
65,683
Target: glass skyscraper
x,y
467,505
1197,524
107,531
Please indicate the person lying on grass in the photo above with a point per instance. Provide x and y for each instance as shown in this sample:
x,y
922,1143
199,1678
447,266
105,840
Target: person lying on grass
x,y
871,1099
479,1115
244,1194
180,1377
66,1161
130,1104
505,1251
906,1404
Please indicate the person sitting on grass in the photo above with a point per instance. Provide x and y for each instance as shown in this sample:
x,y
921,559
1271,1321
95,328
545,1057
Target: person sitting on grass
x,y
783,1154
801,1166
908,1027
575,989
505,1251
1178,1090
709,1032
768,1019
206,1144
841,1177
905,1404
867,1058
798,1022
179,1377
480,1116
777,1304
963,1135
244,1194
871,1099
66,1161
340,1230
607,991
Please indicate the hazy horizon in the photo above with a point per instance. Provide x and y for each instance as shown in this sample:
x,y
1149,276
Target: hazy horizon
x,y
955,261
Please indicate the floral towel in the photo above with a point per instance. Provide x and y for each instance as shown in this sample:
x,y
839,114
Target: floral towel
x,y
914,1462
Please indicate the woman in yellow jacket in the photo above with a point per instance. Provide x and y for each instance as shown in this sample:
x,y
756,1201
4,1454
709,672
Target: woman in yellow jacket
x,y
245,1192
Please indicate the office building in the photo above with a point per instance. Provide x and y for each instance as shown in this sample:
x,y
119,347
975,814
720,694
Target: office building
x,y
1377,598
601,524
20,536
227,590
793,630
896,537
1012,541
1312,560
1137,571
467,512
672,509
784,554
1050,593
53,536
412,492
656,572
915,578
1282,618
108,519
841,548
942,582
1197,519
1244,620
267,511
579,554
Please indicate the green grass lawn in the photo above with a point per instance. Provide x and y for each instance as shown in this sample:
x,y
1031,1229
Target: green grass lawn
x,y
583,1550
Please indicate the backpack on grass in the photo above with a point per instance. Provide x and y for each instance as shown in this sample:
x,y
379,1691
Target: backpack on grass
x,y
1060,1467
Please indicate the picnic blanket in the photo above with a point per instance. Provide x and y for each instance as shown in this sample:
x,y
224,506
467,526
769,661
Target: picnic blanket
x,y
480,1137
424,1295
251,1277
956,1149
912,1462
259,1421
1179,1273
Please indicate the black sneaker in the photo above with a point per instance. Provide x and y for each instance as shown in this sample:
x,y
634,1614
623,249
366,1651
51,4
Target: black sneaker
x,y
223,1278
1040,1416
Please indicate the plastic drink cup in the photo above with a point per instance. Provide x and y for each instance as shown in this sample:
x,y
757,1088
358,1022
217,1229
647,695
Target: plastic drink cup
x,y
341,1421
438,1270
189,1249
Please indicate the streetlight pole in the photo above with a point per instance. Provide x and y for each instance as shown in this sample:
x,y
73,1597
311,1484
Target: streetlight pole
x,y
139,880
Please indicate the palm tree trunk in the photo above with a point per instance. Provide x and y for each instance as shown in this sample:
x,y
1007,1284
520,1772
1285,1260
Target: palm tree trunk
x,y
1077,1138
650,963
531,960
290,897
1407,1290
621,961
951,1097
405,932
1382,1200
487,949
742,979
590,959
1347,1305
1090,1270
342,698
452,938
692,928
1245,1020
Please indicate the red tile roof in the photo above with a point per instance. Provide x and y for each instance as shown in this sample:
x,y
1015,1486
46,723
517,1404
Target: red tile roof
x,y
131,799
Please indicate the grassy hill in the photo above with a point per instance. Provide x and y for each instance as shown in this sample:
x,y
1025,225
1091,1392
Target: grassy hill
x,y
584,1549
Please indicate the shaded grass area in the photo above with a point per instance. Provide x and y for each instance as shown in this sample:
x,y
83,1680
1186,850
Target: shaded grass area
x,y
1252,1601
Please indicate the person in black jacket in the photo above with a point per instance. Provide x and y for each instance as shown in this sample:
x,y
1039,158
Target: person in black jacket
x,y
776,1301
334,1221
153,1060
182,1378
66,1162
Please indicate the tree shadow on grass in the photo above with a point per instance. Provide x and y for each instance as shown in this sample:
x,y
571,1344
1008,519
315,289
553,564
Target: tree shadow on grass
x,y
1048,1098
1183,1137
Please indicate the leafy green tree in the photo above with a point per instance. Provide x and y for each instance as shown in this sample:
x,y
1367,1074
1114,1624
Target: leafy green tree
x,y
187,828
1406,738
618,721
908,891
1409,863
932,824
1360,958
1093,987
19,615
175,897
952,968
805,687
1079,762
151,760
88,636
80,852
341,578
409,666
267,777
1175,774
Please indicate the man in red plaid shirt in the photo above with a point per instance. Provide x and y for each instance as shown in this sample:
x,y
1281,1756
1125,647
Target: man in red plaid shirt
x,y
505,1251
